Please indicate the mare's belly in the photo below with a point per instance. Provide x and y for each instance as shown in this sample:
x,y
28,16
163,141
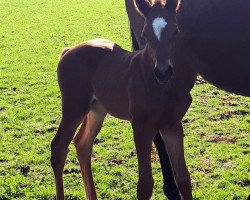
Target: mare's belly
x,y
220,40
235,79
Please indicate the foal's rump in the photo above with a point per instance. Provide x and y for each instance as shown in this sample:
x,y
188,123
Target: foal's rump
x,y
77,67
82,60
96,69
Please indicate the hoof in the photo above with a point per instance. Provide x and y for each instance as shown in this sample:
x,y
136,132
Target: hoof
x,y
172,193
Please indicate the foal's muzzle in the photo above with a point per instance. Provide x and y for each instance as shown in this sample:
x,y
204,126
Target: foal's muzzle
x,y
163,76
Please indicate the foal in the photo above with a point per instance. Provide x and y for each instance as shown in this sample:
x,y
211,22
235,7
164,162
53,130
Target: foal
x,y
136,20
98,77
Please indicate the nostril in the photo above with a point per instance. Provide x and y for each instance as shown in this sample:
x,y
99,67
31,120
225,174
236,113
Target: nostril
x,y
157,73
169,72
163,77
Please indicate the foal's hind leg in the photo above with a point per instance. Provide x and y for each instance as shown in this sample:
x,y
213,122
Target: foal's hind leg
x,y
170,189
84,141
173,138
73,113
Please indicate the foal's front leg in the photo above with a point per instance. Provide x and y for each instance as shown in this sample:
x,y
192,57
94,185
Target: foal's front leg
x,y
143,137
173,138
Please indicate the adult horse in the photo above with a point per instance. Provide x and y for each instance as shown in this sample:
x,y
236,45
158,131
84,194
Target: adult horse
x,y
215,39
99,77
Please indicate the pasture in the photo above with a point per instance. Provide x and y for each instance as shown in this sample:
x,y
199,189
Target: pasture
x,y
32,35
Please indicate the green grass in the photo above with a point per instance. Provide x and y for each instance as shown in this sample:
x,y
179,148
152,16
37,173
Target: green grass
x,y
32,35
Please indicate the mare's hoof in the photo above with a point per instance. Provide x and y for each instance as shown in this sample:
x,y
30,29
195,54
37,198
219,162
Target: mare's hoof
x,y
172,193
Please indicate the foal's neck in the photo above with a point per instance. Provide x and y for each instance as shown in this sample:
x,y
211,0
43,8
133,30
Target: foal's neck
x,y
146,66
147,58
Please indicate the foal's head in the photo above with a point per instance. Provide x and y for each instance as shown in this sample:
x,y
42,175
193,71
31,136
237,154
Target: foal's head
x,y
159,30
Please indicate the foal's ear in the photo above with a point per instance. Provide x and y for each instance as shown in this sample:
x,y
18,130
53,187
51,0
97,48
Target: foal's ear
x,y
143,6
172,5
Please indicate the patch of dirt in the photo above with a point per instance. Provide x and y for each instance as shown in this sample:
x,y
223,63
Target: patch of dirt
x,y
202,151
200,81
244,183
53,121
14,89
3,160
18,135
202,170
51,129
116,161
71,171
98,141
215,176
154,155
24,170
245,145
226,115
229,114
222,138
202,135
39,131
233,104
2,109
241,112
21,186
246,152
207,161
227,165
3,88
132,154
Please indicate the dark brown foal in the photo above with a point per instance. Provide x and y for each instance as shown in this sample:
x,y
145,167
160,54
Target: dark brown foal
x,y
136,25
98,77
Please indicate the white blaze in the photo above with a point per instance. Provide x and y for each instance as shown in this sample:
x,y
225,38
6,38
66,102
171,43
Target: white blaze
x,y
159,24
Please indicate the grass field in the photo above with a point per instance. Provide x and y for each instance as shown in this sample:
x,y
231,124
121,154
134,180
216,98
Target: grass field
x,y
32,35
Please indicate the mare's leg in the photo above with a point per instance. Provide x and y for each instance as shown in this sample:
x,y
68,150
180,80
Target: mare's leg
x,y
72,117
173,138
170,189
143,137
84,141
